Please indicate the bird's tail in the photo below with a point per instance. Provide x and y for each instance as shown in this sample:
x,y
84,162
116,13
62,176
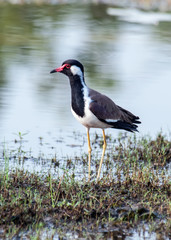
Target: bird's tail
x,y
128,121
131,127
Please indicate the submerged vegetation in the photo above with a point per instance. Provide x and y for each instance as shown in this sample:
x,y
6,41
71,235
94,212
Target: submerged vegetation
x,y
136,192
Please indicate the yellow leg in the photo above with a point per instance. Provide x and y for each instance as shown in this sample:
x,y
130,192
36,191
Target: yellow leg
x,y
89,155
101,161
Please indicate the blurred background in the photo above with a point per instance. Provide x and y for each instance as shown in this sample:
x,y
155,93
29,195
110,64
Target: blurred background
x,y
125,47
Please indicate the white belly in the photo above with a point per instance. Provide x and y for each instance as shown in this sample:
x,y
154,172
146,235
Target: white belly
x,y
90,120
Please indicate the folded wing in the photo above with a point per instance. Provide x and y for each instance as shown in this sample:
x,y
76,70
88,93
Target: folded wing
x,y
108,112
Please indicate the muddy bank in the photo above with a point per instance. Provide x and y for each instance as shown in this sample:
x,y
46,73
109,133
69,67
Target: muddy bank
x,y
138,194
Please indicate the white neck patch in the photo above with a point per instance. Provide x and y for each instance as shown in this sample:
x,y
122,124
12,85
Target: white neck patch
x,y
76,71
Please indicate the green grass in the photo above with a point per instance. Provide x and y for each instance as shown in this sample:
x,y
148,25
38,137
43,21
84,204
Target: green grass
x,y
138,191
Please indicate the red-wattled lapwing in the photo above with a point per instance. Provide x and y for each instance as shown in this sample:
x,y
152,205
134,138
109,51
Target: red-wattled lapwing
x,y
93,109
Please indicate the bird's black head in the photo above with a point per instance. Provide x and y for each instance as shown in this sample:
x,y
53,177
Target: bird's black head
x,y
70,68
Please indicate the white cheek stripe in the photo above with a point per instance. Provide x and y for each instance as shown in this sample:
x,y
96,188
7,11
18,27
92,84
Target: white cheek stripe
x,y
76,71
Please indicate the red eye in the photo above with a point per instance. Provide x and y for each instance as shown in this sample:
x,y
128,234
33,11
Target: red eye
x,y
68,66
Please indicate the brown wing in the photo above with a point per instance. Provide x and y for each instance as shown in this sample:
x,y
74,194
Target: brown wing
x,y
105,110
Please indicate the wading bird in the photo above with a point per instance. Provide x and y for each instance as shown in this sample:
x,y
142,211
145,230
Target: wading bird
x,y
93,109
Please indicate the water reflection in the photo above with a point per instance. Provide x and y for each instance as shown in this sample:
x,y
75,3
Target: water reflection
x,y
128,62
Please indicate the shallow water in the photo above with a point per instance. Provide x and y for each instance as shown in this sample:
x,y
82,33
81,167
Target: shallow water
x,y
129,62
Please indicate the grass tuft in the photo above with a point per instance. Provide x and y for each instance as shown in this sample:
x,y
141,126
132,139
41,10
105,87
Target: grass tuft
x,y
137,191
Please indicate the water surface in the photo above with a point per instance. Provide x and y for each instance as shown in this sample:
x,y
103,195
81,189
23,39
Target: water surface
x,y
129,62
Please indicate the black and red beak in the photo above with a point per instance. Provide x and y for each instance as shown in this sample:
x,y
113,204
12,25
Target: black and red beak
x,y
57,69
60,69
